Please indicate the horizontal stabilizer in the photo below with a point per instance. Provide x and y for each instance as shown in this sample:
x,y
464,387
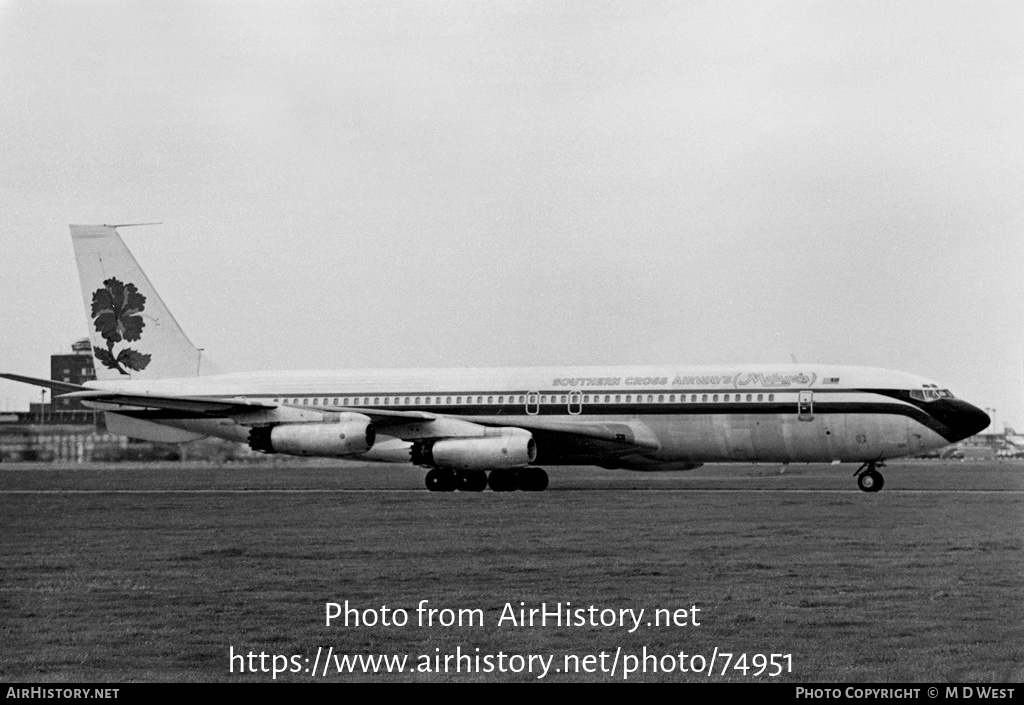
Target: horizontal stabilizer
x,y
49,383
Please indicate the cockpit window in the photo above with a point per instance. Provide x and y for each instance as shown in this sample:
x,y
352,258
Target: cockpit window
x,y
930,394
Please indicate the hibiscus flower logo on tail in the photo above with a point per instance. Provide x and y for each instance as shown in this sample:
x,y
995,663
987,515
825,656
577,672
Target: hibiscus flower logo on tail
x,y
115,310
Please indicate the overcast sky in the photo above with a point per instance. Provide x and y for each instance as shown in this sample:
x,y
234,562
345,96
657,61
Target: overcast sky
x,y
401,184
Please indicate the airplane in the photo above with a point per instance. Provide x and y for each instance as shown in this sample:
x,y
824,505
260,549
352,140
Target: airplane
x,y
475,428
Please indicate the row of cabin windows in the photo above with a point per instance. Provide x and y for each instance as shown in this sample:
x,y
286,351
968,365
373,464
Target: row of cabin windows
x,y
522,399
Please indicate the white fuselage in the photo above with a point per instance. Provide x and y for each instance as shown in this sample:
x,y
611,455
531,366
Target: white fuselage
x,y
677,415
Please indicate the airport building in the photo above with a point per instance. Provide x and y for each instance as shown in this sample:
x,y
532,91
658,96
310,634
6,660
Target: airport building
x,y
988,446
76,368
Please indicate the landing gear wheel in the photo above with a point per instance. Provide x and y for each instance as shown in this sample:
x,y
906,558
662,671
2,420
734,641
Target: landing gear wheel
x,y
471,480
504,480
439,480
870,481
533,480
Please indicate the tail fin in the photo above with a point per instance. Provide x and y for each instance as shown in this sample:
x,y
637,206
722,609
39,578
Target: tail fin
x,y
133,334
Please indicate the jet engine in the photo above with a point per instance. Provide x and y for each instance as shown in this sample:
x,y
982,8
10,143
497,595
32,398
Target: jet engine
x,y
478,453
353,433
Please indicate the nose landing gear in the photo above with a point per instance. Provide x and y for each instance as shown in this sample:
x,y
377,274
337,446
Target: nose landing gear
x,y
868,478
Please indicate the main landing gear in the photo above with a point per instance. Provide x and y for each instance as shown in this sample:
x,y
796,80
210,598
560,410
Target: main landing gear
x,y
868,478
502,480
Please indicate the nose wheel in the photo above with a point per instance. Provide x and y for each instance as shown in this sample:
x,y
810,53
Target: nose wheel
x,y
868,478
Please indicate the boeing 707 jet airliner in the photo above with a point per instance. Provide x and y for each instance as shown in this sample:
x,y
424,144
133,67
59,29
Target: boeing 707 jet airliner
x,y
478,428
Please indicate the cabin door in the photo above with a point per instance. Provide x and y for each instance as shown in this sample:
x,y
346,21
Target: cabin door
x,y
532,403
805,405
575,402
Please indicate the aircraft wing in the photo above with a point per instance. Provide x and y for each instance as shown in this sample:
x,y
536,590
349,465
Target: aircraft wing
x,y
201,406
592,436
570,438
198,406
222,406
384,417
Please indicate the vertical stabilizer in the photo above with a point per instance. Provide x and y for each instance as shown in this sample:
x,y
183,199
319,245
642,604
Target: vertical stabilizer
x,y
133,334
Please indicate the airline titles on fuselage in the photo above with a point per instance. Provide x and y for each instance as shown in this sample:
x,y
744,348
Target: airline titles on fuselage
x,y
755,379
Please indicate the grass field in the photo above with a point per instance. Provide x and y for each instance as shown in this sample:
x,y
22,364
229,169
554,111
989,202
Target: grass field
x,y
127,573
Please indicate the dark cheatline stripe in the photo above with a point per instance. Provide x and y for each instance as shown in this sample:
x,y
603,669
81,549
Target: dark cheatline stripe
x,y
959,419
940,415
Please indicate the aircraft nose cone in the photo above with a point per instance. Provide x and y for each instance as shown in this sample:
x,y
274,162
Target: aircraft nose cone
x,y
966,419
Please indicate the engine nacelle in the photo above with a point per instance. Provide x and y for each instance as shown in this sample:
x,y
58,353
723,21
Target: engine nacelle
x,y
352,434
481,453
